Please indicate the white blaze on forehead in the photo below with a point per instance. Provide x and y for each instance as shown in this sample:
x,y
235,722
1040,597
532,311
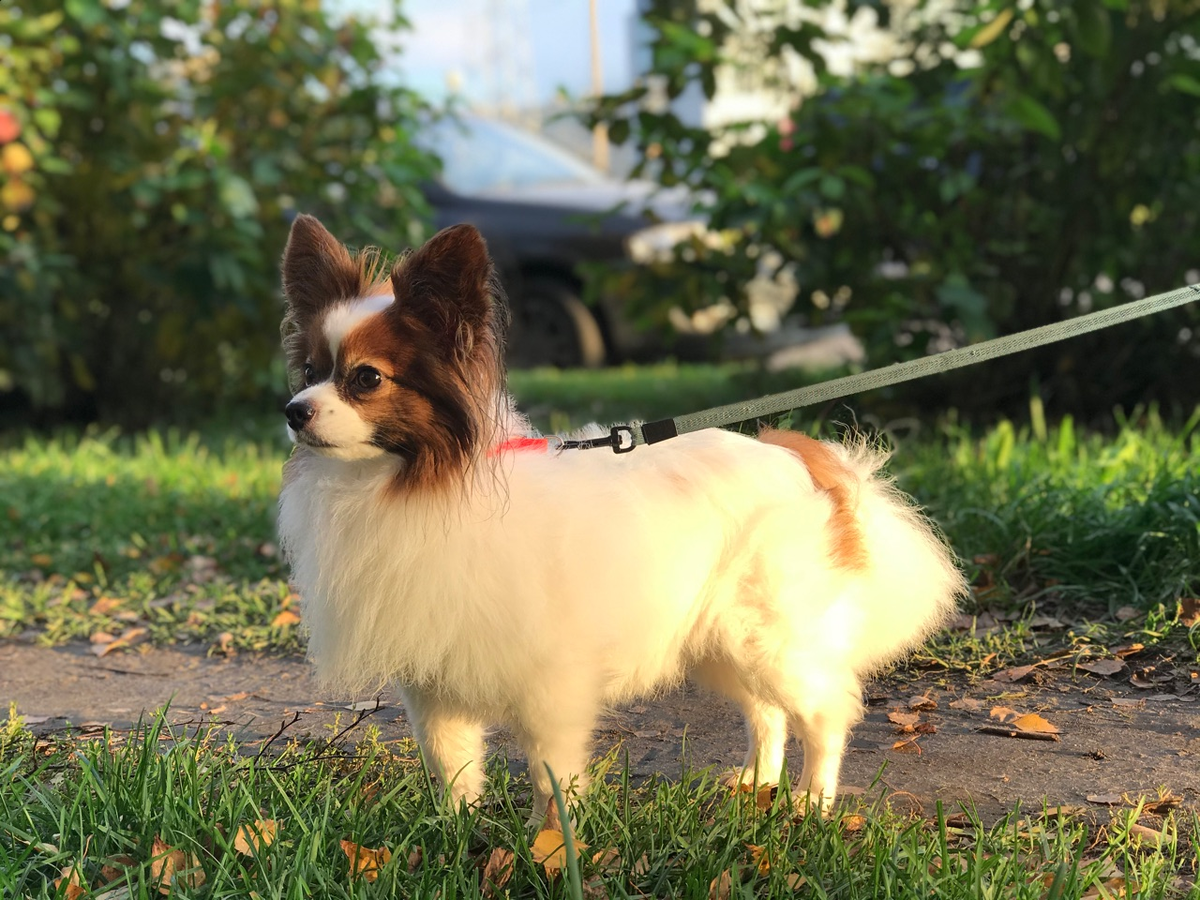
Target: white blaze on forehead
x,y
344,316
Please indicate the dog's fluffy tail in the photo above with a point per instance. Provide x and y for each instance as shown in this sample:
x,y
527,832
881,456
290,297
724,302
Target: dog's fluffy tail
x,y
908,582
831,473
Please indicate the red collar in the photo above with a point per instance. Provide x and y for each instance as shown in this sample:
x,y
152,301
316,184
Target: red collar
x,y
520,444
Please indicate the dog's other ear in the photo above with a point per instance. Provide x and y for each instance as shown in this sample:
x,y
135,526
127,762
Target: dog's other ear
x,y
447,284
317,269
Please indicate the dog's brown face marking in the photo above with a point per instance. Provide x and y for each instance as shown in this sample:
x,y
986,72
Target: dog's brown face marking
x,y
423,372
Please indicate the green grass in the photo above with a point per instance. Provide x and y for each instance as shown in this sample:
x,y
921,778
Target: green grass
x,y
170,536
101,533
173,534
120,800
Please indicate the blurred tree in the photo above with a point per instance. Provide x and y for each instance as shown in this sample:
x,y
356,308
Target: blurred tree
x,y
1007,165
153,153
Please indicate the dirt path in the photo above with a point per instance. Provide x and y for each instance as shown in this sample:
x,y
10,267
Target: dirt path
x,y
1116,738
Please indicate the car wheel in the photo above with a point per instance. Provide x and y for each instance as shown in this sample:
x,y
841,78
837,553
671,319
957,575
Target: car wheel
x,y
551,326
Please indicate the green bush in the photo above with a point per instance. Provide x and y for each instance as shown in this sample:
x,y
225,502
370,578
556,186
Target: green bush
x,y
154,152
1012,165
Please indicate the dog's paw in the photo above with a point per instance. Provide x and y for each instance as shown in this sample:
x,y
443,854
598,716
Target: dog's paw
x,y
743,778
806,804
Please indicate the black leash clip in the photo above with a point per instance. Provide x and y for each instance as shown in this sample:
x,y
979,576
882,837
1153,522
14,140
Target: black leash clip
x,y
620,439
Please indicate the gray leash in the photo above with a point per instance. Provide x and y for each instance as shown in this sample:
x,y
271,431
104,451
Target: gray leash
x,y
623,438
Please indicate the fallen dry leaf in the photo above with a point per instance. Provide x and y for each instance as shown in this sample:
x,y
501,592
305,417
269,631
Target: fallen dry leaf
x,y
42,560
285,618
1113,887
496,871
113,868
907,745
796,881
1141,834
966,703
169,866
921,702
1163,803
1105,799
364,861
1104,667
764,797
1189,611
1029,726
71,884
1128,650
853,823
906,720
721,887
1125,613
1034,723
550,849
251,839
1132,702
1149,677
1013,675
105,605
594,888
414,860
961,622
606,859
128,637
759,858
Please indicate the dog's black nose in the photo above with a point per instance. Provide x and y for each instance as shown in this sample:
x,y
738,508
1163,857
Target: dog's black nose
x,y
299,413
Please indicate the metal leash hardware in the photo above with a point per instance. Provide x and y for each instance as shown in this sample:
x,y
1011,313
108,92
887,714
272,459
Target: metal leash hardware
x,y
620,438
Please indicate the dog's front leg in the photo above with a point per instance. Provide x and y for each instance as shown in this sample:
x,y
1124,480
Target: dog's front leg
x,y
452,744
561,744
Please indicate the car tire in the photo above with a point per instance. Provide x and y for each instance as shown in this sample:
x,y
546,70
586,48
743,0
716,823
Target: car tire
x,y
551,326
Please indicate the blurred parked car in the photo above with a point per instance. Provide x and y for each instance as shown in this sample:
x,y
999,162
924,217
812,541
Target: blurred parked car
x,y
543,213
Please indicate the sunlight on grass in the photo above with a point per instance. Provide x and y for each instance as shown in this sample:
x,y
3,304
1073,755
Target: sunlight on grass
x,y
1074,542
172,535
110,808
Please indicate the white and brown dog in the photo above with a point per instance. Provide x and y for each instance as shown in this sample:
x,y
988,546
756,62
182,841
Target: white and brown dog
x,y
494,582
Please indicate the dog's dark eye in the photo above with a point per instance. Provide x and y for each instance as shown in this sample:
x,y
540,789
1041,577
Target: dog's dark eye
x,y
310,374
367,379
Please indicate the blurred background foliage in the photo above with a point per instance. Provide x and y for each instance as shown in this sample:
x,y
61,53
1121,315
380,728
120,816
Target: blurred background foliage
x,y
1008,165
152,153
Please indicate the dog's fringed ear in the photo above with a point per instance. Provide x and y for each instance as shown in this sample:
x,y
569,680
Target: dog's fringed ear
x,y
317,269
447,284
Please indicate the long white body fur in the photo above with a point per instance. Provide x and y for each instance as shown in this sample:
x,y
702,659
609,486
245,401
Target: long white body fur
x,y
553,585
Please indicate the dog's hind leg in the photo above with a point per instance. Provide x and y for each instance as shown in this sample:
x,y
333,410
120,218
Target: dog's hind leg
x,y
452,744
822,722
819,702
766,726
